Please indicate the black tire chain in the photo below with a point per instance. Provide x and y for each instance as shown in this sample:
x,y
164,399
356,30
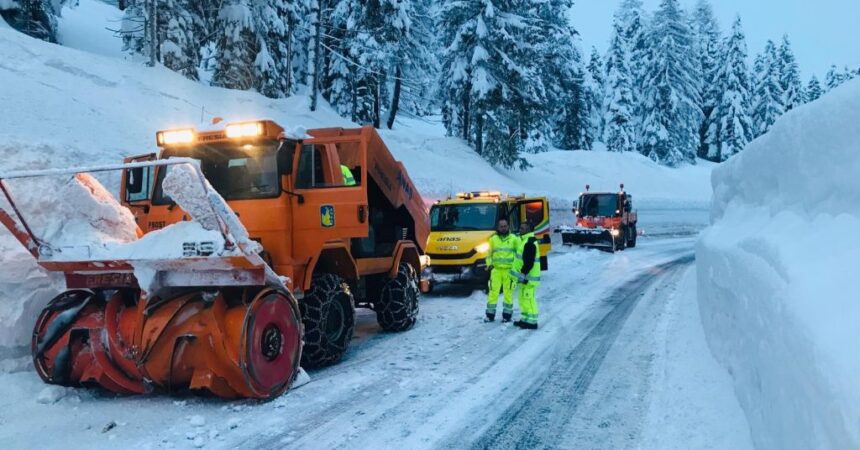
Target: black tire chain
x,y
397,308
326,289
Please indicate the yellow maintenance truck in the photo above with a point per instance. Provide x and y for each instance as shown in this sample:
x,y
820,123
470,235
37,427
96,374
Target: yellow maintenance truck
x,y
461,227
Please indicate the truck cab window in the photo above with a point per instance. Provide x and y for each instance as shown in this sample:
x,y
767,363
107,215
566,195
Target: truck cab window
x,y
328,166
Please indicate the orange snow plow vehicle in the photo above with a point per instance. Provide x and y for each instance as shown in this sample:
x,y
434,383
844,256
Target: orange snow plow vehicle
x,y
249,252
604,220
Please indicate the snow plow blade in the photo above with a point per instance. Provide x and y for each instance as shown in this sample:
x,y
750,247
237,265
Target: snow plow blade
x,y
587,238
218,320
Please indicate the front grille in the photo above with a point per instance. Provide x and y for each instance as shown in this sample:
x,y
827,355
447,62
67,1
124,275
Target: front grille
x,y
450,256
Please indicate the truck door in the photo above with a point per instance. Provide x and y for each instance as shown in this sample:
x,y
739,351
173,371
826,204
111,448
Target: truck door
x,y
536,212
332,206
136,188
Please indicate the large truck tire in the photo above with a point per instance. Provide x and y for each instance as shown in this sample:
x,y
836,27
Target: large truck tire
x,y
328,316
632,241
397,306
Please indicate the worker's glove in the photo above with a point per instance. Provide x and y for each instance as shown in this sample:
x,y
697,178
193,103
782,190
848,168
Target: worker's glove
x,y
522,278
524,281
490,267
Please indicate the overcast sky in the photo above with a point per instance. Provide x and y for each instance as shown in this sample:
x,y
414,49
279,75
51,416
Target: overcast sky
x,y
822,32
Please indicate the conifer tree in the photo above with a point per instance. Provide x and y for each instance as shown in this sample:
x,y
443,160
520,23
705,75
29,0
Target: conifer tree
x,y
813,90
35,18
238,45
731,127
596,87
567,111
834,78
708,47
670,128
619,134
789,76
494,95
768,97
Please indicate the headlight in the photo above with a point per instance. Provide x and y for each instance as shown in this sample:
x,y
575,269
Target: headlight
x,y
483,248
615,232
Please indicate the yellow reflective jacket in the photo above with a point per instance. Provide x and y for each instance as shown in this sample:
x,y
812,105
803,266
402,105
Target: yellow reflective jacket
x,y
348,179
503,251
527,264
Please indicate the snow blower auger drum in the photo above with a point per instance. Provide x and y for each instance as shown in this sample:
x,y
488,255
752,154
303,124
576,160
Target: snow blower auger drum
x,y
225,341
216,319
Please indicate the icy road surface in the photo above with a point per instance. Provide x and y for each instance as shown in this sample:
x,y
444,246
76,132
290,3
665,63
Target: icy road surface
x,y
620,361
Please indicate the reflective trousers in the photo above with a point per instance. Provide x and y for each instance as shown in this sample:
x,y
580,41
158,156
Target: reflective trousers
x,y
501,281
528,303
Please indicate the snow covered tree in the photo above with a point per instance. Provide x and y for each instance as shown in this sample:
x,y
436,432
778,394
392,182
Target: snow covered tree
x,y
708,47
768,97
567,108
670,129
731,127
238,45
619,133
631,17
596,87
355,61
406,42
836,77
272,61
813,90
176,32
179,47
36,18
492,90
789,76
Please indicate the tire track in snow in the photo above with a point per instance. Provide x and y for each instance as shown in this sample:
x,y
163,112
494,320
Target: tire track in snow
x,y
538,418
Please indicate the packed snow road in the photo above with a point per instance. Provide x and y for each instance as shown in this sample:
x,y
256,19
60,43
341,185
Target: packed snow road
x,y
593,376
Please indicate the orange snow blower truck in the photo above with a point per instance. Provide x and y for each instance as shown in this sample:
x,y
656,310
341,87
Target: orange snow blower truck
x,y
603,220
310,228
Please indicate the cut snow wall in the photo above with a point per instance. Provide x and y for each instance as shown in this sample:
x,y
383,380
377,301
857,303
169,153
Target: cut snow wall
x,y
777,275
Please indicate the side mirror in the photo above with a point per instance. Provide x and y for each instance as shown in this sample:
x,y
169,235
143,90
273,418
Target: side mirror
x,y
285,157
134,181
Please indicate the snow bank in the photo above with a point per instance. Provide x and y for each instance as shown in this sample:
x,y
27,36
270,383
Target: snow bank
x,y
776,276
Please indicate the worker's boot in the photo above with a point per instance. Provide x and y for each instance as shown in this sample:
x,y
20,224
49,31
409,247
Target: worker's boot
x,y
490,318
526,325
506,317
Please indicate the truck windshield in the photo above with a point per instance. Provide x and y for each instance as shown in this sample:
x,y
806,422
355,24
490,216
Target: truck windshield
x,y
236,172
463,217
598,205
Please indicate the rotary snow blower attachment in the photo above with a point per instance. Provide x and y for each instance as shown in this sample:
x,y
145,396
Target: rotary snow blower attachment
x,y
604,220
192,306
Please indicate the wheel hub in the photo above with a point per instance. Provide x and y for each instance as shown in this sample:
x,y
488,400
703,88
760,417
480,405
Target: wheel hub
x,y
271,342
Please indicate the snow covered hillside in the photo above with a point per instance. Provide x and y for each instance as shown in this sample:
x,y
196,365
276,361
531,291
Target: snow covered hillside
x,y
75,106
777,273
